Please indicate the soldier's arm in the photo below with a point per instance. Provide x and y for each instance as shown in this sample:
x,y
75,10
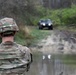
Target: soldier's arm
x,y
28,57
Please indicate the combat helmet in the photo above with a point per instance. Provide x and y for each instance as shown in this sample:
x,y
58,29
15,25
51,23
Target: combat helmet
x,y
7,25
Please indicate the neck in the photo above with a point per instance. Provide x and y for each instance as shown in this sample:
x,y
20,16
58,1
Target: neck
x,y
5,39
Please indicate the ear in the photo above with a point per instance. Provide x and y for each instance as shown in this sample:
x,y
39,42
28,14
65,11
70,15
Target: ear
x,y
0,35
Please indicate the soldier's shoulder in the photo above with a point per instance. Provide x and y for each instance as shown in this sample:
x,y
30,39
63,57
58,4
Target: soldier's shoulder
x,y
23,48
0,47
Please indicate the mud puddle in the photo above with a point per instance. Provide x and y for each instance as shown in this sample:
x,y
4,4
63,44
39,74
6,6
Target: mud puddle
x,y
47,64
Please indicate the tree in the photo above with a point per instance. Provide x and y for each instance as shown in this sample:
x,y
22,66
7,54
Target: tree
x,y
18,9
57,3
74,2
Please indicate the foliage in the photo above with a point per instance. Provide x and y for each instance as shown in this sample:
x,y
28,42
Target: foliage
x,y
28,12
63,16
23,36
37,15
69,16
30,35
60,17
38,34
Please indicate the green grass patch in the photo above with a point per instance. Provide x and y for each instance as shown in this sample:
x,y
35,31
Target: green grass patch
x,y
38,35
33,37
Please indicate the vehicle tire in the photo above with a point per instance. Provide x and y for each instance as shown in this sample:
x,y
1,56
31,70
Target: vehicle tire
x,y
50,27
40,27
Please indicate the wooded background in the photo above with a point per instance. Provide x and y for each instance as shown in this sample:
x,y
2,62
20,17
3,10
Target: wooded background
x,y
19,9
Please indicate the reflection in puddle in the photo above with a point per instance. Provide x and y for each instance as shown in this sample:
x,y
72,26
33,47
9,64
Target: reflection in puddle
x,y
52,65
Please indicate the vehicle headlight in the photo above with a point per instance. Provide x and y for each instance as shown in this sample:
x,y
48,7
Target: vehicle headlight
x,y
43,24
50,24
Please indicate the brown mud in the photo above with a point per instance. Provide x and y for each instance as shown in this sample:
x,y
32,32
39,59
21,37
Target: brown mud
x,y
59,42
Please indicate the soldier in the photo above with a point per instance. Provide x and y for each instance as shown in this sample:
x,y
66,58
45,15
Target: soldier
x,y
15,59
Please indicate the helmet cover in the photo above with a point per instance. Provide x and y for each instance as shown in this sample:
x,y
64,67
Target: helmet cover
x,y
8,24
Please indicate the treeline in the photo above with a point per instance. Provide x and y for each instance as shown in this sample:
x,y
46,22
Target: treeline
x,y
56,4
28,12
20,10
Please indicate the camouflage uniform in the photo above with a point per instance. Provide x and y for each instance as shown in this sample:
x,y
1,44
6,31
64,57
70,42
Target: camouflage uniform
x,y
15,59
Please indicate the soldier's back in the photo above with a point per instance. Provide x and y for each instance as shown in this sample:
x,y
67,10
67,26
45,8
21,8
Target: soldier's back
x,y
13,59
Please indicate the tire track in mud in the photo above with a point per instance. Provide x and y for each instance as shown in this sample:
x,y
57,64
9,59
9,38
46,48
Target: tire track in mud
x,y
59,42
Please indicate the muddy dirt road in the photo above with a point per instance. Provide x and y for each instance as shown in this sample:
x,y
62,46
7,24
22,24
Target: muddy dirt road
x,y
58,42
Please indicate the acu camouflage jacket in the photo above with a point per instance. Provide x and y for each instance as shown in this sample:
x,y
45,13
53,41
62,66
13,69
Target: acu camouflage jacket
x,y
14,57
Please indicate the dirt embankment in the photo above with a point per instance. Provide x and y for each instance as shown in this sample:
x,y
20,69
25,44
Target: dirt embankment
x,y
58,42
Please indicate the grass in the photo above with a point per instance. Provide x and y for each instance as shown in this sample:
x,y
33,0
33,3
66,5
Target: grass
x,y
31,35
38,35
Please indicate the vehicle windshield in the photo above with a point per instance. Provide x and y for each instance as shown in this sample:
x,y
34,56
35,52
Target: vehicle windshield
x,y
42,20
48,21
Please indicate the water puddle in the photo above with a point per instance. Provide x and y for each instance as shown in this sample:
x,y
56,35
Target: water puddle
x,y
47,64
